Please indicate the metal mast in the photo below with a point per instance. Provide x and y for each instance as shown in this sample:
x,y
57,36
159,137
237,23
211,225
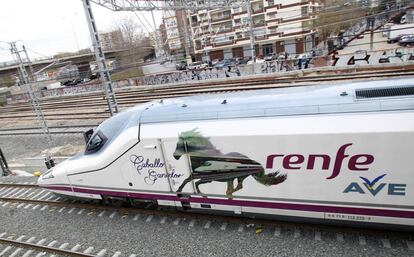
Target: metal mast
x,y
100,59
33,99
252,39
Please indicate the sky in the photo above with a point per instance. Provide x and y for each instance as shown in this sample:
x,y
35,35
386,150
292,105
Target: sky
x,y
47,27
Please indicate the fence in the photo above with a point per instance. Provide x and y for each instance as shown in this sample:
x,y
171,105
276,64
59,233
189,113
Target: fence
x,y
399,55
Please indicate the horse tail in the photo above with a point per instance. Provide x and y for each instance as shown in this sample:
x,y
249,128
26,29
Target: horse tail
x,y
270,179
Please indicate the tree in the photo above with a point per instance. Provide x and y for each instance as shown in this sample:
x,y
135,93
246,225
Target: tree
x,y
131,31
336,16
135,42
7,80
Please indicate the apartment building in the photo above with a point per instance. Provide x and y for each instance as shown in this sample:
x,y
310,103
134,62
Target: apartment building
x,y
278,26
177,33
111,40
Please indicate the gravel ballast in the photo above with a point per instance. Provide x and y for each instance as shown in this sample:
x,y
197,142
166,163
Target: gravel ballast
x,y
15,147
154,238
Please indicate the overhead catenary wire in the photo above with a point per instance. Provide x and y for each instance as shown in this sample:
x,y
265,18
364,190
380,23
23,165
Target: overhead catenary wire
x,y
308,27
313,27
352,35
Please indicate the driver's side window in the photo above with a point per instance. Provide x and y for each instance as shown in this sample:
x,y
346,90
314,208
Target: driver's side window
x,y
95,143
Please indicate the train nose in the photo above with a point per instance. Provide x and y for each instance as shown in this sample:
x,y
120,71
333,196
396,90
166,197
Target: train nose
x,y
46,178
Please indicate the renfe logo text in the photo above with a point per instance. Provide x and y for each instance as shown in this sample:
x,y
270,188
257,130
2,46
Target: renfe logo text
x,y
358,162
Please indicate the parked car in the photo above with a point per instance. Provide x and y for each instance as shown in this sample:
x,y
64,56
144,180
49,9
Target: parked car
x,y
214,62
303,56
182,65
196,66
282,55
406,40
164,61
395,39
94,76
71,82
258,60
224,63
245,60
271,57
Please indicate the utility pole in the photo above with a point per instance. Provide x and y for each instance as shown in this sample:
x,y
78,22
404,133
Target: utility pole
x,y
100,60
252,41
33,99
186,36
371,24
158,44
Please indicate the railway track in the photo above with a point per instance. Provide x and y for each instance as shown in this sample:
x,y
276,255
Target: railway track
x,y
93,105
17,247
21,245
31,197
60,112
53,130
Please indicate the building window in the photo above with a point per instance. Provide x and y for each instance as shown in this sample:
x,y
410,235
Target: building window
x,y
267,49
304,10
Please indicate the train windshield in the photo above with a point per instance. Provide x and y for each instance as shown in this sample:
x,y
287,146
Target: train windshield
x,y
107,131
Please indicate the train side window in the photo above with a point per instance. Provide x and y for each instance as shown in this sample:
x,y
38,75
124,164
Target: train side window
x,y
95,143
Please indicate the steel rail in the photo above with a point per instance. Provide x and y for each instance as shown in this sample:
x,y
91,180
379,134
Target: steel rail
x,y
18,185
240,85
40,132
51,127
174,213
176,93
44,248
287,78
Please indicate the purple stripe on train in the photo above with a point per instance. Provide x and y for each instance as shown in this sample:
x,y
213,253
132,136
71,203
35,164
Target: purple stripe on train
x,y
245,203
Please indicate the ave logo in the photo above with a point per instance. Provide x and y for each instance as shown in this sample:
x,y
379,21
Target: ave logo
x,y
374,187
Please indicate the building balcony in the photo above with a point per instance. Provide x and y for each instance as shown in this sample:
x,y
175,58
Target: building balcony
x,y
261,37
247,38
272,7
239,13
304,31
225,18
277,20
274,34
295,19
224,43
259,24
225,31
258,10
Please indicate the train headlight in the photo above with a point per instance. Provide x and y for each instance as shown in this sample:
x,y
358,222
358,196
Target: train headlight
x,y
48,174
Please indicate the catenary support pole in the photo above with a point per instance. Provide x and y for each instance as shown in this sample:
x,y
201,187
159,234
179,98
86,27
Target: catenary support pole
x,y
100,59
27,81
252,41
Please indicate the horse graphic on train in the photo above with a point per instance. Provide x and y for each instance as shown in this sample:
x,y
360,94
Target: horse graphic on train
x,y
209,164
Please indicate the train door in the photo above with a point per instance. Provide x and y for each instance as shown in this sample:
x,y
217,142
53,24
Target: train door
x,y
179,170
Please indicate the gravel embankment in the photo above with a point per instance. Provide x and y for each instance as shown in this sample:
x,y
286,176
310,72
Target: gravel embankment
x,y
153,237
16,147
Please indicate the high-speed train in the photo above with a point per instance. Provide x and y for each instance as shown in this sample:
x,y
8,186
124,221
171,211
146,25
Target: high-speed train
x,y
333,154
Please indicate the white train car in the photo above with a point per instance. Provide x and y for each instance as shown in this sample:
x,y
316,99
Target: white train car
x,y
330,154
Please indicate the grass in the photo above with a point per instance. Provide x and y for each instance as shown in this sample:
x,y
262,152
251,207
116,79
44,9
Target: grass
x,y
127,74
